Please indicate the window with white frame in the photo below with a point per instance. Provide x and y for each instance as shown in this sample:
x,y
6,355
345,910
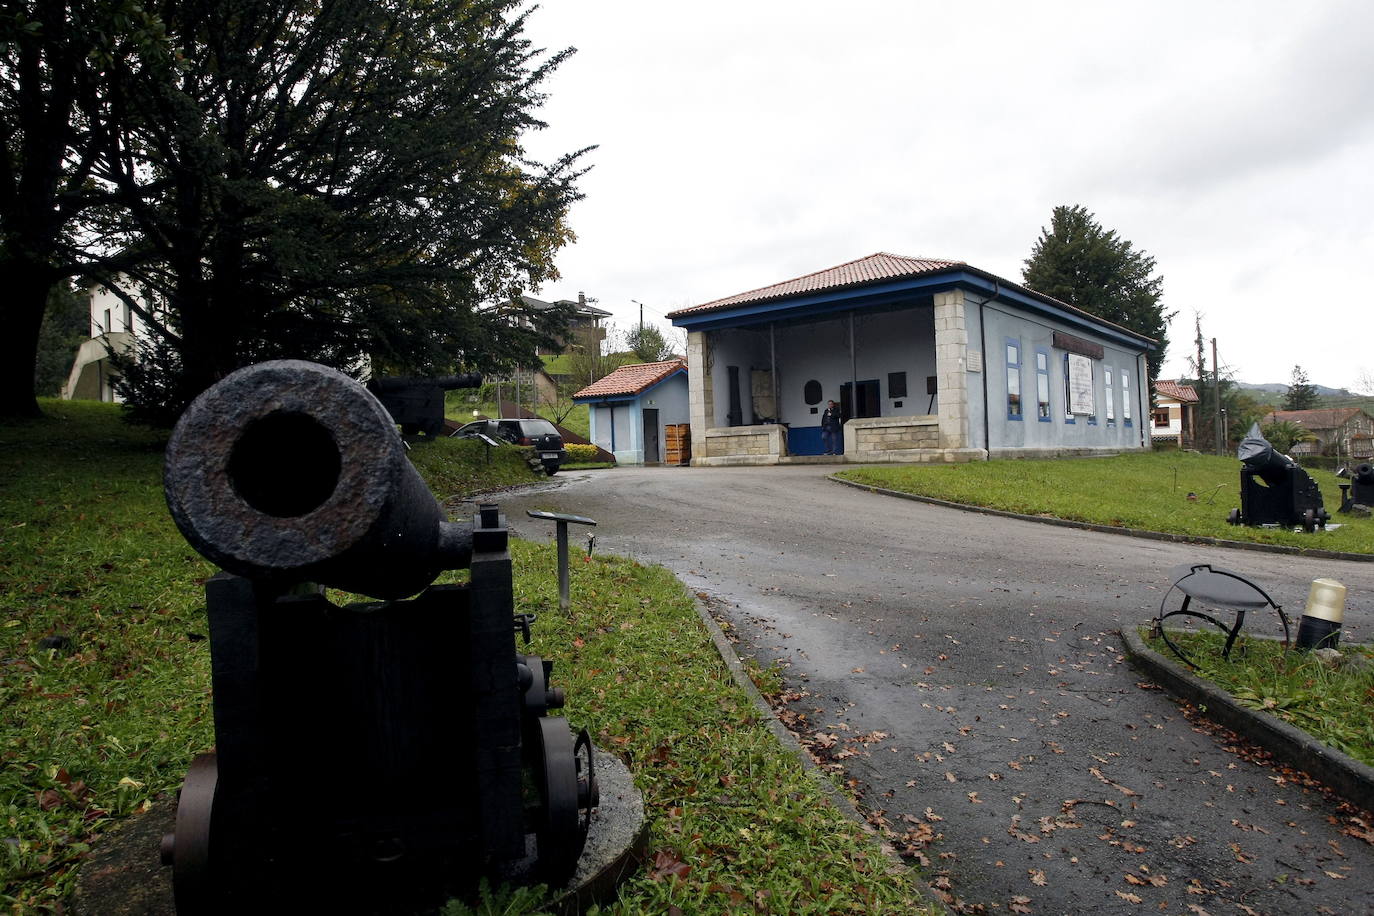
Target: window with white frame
x,y
1042,384
1126,396
1013,379
1107,395
1068,392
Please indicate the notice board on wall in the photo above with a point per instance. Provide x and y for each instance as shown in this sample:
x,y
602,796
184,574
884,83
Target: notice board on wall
x,y
1080,384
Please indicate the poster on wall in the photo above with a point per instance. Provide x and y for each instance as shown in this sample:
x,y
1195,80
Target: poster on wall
x,y
1080,384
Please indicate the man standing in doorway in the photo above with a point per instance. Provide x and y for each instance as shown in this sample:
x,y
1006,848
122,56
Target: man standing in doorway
x,y
830,430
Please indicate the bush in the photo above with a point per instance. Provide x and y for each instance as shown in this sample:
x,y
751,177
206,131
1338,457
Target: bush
x,y
579,453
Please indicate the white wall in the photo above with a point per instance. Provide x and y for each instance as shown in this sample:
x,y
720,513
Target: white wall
x,y
895,341
109,314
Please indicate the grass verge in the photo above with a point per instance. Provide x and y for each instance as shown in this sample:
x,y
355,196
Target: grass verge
x,y
1147,490
1330,703
94,730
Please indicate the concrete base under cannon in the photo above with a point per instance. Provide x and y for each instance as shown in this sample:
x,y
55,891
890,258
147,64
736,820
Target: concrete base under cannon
x,y
124,877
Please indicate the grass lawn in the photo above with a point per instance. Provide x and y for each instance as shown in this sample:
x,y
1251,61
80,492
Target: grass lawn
x,y
1146,490
94,733
1331,704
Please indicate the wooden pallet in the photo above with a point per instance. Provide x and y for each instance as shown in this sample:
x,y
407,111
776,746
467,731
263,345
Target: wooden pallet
x,y
678,443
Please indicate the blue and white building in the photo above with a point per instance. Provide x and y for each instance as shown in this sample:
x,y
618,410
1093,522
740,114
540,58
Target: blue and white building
x,y
929,360
630,408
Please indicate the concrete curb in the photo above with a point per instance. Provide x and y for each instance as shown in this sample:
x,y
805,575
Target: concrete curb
x,y
1350,778
788,740
1113,529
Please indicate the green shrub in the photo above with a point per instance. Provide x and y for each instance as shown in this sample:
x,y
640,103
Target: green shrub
x,y
579,453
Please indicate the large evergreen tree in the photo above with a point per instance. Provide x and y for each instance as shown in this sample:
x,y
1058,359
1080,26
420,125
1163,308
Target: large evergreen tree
x,y
1302,394
54,115
1077,261
335,181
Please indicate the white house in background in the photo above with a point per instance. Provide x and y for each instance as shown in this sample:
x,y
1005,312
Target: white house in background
x,y
1175,413
630,408
929,360
114,327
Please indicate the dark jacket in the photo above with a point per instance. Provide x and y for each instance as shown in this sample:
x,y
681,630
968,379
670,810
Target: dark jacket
x,y
830,420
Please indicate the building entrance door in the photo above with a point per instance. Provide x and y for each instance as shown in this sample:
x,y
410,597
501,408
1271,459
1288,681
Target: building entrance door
x,y
652,453
867,405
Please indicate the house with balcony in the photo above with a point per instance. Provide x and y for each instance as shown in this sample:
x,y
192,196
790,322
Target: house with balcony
x,y
1175,415
1345,432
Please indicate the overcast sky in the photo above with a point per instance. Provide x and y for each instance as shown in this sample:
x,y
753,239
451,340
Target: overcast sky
x,y
742,143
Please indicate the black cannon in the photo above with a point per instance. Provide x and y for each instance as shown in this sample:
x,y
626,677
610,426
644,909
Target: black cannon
x,y
1360,489
417,404
374,756
1274,490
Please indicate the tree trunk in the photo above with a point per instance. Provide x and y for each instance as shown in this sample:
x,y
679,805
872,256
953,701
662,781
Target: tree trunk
x,y
22,304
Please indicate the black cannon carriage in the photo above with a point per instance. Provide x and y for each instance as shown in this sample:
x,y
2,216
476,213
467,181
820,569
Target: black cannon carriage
x,y
374,756
417,403
1274,490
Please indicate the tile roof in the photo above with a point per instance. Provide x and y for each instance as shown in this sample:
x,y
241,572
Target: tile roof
x,y
1323,418
871,269
1176,390
631,380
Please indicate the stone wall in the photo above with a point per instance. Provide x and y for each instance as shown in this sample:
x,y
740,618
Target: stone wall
x,y
727,445
901,439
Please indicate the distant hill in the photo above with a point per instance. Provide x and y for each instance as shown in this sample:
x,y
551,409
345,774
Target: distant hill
x,y
1271,394
1281,388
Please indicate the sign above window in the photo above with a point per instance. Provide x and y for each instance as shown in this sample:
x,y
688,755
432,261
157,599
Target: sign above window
x,y
1070,344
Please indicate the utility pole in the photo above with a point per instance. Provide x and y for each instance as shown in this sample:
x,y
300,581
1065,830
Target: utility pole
x,y
1216,395
1201,383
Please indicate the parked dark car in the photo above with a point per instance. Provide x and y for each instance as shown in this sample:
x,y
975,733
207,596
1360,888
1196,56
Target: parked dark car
x,y
538,434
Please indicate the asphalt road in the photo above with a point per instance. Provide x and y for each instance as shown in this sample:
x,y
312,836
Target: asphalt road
x,y
968,670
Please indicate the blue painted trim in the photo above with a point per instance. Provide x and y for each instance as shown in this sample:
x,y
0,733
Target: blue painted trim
x,y
892,292
1049,389
1010,342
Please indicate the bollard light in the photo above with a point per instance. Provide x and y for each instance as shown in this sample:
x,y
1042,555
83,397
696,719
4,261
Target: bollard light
x,y
1320,626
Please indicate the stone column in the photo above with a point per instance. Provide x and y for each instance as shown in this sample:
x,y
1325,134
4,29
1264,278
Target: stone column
x,y
951,344
700,391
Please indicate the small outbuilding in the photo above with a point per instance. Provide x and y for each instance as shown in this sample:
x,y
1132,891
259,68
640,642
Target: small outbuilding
x,y
929,360
631,409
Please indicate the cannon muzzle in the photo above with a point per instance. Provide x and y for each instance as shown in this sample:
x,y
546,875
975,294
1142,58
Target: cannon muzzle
x,y
289,471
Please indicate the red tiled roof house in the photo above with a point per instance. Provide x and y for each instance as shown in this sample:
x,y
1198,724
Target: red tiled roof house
x,y
630,409
1346,432
1175,414
929,360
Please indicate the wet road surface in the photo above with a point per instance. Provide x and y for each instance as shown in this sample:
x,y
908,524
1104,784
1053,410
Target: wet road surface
x,y
964,672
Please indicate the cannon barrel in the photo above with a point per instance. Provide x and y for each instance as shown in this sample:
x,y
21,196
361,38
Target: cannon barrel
x,y
289,472
1259,457
446,382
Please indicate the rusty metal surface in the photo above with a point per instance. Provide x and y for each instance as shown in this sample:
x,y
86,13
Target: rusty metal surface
x,y
292,471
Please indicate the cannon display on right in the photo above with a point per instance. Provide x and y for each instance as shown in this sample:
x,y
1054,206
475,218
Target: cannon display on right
x,y
1360,490
1274,490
